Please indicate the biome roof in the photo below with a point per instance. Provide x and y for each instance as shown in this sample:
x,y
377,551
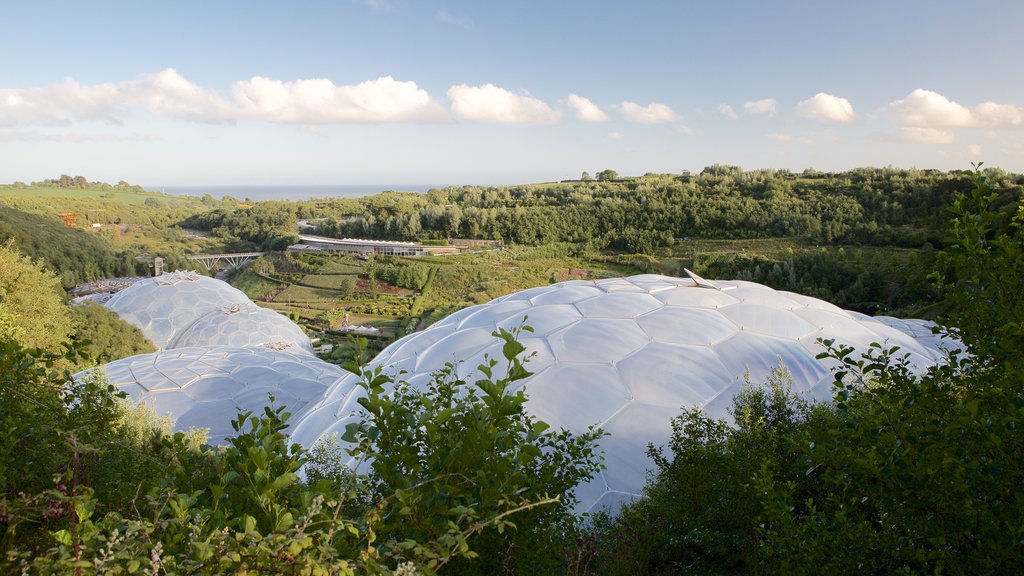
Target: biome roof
x,y
165,305
245,325
205,386
627,353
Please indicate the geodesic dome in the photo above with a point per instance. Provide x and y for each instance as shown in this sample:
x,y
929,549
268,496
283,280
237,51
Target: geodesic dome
x,y
245,325
165,305
627,353
203,387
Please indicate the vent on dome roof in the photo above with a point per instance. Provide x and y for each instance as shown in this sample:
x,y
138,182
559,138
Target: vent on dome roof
x,y
702,283
278,345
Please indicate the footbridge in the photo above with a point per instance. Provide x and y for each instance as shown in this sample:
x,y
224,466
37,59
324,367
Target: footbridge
x,y
211,261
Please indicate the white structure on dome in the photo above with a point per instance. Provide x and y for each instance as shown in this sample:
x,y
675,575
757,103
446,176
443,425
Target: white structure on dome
x,y
627,353
163,306
204,387
245,325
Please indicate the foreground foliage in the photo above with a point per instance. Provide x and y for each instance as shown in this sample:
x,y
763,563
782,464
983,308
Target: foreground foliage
x,y
459,474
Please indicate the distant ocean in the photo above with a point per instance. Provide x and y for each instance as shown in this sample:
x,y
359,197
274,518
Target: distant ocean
x,y
305,192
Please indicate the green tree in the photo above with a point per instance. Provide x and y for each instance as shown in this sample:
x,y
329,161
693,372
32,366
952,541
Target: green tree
x,y
32,309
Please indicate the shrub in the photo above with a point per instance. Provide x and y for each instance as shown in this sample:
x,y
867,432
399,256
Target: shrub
x,y
457,453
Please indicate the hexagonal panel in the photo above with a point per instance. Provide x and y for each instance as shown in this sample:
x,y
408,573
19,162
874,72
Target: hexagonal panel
x,y
618,305
597,340
684,325
674,376
576,396
759,354
777,322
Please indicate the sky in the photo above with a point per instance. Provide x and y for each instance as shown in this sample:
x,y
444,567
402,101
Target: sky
x,y
351,92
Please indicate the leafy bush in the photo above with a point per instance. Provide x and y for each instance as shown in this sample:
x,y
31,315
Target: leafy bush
x,y
456,452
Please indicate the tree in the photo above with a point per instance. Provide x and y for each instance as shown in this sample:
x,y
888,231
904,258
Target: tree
x,y
605,175
105,336
32,309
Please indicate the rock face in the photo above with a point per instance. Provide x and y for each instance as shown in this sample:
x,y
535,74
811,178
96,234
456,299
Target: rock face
x,y
627,353
624,354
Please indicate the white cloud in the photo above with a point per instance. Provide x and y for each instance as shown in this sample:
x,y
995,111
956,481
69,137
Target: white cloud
x,y
726,110
975,150
320,101
925,108
168,94
446,18
653,113
58,105
684,129
765,106
489,103
824,106
925,135
616,135
780,137
586,110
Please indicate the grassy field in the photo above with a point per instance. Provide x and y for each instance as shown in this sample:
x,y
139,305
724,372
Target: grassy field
x,y
129,197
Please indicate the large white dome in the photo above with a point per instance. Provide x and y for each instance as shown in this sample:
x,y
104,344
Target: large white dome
x,y
165,305
244,325
627,353
203,387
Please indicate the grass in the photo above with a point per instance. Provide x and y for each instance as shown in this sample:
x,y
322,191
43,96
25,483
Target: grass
x,y
117,195
328,281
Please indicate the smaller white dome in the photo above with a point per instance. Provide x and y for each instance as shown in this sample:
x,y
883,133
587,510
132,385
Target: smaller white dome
x,y
247,326
165,305
204,387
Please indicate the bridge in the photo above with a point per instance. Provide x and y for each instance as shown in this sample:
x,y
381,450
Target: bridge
x,y
211,261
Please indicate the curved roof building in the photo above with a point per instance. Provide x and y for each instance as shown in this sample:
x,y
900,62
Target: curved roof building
x,y
203,387
163,306
245,325
627,353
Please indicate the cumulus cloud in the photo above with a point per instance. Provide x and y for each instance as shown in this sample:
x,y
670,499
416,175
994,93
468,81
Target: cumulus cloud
x,y
684,129
924,108
58,105
824,106
726,110
168,94
653,113
320,101
780,137
765,106
489,103
975,150
165,93
616,135
586,110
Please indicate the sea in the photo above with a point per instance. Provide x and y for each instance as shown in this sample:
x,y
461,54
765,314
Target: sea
x,y
297,192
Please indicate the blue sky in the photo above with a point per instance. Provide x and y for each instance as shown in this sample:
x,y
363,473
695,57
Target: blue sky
x,y
460,92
